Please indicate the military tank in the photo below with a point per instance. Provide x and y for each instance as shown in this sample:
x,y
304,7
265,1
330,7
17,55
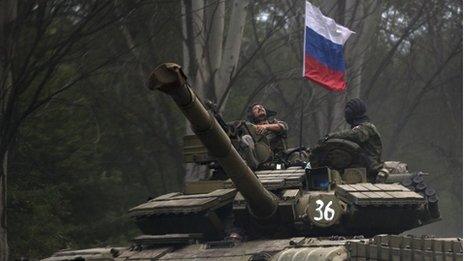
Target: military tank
x,y
324,209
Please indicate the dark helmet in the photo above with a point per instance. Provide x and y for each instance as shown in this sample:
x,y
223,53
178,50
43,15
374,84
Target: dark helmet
x,y
355,112
250,117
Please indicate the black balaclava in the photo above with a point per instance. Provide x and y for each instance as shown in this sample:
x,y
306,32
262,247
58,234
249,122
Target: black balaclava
x,y
355,112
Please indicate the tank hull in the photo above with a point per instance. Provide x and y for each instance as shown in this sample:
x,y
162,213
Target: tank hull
x,y
298,248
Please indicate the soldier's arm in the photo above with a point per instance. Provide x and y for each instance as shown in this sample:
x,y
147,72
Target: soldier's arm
x,y
273,127
278,127
357,134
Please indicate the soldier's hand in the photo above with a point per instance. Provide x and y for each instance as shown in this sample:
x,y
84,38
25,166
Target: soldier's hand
x,y
382,176
261,129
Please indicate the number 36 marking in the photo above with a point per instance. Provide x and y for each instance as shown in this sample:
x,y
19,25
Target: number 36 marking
x,y
327,213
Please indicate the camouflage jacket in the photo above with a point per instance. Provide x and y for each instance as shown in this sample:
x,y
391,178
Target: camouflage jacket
x,y
368,138
278,140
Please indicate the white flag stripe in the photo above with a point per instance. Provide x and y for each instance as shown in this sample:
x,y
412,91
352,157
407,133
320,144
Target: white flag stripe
x,y
325,26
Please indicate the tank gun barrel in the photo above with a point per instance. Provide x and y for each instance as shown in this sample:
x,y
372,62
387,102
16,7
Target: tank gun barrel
x,y
170,79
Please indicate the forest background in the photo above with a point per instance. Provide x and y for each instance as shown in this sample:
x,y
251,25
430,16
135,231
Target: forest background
x,y
82,140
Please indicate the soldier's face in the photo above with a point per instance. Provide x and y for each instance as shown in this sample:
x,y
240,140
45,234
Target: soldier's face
x,y
348,116
259,111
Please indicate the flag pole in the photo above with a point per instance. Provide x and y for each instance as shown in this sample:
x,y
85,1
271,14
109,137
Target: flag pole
x,y
302,87
301,122
304,103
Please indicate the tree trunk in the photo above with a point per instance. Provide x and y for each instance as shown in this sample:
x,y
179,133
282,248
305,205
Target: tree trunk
x,y
193,32
362,17
8,14
194,39
3,224
214,21
231,50
209,62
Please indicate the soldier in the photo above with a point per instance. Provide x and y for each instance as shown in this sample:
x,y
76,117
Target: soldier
x,y
274,131
365,134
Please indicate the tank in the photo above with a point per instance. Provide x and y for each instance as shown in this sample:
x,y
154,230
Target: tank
x,y
323,209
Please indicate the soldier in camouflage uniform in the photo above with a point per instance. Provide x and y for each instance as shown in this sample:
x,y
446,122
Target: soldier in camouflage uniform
x,y
366,135
274,132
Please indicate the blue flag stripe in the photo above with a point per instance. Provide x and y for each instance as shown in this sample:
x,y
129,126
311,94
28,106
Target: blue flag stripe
x,y
324,50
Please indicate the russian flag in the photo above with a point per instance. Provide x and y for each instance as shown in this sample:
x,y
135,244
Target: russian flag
x,y
323,50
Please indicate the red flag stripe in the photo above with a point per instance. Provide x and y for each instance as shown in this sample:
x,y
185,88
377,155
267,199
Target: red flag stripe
x,y
322,74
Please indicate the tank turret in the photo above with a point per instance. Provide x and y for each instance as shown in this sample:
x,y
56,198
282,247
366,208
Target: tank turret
x,y
322,200
322,210
170,79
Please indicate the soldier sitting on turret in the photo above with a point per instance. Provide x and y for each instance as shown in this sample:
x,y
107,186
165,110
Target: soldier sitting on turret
x,y
365,134
270,132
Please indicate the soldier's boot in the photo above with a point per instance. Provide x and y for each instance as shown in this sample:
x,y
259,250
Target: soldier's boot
x,y
247,146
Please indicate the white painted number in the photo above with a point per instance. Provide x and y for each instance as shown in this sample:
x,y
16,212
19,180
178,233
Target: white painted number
x,y
328,214
320,204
